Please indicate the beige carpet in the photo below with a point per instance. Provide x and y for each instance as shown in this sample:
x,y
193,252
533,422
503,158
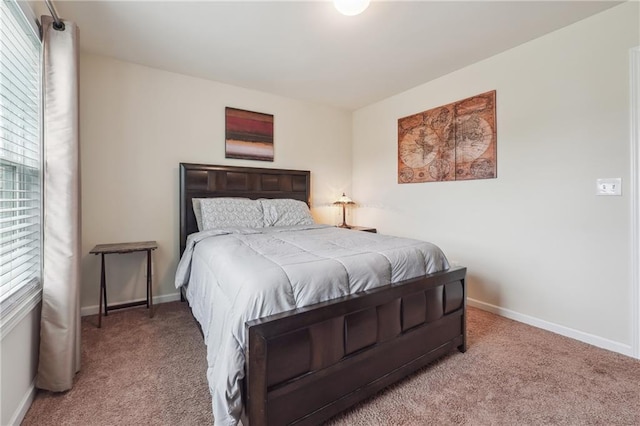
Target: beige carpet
x,y
141,371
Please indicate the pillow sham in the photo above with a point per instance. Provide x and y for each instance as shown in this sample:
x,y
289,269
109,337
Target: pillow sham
x,y
230,212
197,211
285,212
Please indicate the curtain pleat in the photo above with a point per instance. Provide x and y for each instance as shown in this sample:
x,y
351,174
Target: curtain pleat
x,y
60,320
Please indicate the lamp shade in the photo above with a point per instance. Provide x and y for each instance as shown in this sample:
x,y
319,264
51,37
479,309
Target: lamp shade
x,y
344,200
351,7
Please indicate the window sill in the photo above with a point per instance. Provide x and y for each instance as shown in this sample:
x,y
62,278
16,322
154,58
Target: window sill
x,y
14,314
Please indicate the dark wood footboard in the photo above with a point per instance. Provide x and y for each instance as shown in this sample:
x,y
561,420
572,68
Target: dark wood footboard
x,y
309,364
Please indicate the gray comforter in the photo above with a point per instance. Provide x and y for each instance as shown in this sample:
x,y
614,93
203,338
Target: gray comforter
x,y
236,275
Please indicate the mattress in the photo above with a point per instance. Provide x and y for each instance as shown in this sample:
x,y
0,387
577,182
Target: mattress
x,y
236,275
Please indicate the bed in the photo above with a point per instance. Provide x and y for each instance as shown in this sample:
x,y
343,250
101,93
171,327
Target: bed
x,y
306,364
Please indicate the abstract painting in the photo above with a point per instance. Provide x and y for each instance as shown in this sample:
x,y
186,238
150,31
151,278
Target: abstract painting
x,y
456,141
249,135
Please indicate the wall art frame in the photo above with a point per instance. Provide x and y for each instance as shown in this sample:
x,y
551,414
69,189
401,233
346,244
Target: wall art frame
x,y
248,135
457,141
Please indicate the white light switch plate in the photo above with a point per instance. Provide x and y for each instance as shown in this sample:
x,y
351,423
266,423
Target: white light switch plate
x,y
611,186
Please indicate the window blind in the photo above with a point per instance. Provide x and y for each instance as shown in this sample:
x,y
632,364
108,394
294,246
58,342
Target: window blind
x,y
20,156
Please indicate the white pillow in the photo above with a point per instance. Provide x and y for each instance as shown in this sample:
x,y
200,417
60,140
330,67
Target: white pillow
x,y
285,212
197,211
230,212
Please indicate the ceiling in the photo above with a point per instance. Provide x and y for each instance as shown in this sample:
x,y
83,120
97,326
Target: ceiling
x,y
306,50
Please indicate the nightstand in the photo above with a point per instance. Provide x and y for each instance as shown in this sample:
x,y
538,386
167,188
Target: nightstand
x,y
364,228
122,248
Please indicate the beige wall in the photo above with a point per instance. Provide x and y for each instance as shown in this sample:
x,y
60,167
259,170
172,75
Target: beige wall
x,y
539,244
138,123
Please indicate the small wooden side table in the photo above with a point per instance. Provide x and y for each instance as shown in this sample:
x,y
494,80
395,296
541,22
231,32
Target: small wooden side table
x,y
121,248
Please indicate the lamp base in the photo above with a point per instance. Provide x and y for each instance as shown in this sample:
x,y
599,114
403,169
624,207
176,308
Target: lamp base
x,y
345,226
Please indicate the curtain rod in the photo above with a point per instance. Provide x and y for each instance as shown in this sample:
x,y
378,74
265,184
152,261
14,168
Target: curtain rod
x,y
57,22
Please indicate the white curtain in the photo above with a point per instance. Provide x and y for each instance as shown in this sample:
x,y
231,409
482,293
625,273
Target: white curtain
x,y
60,323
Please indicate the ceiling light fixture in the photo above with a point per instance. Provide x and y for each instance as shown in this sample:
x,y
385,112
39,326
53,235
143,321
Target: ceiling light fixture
x,y
351,7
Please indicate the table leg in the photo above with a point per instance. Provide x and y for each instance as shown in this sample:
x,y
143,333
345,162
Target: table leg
x,y
104,288
102,285
149,285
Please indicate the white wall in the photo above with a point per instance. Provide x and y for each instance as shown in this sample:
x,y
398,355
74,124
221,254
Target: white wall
x,y
19,346
538,243
138,123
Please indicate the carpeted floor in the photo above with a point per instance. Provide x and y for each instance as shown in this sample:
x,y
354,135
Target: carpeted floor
x,y
141,371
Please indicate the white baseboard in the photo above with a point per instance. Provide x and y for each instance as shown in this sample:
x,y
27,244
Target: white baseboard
x,y
24,405
93,310
554,328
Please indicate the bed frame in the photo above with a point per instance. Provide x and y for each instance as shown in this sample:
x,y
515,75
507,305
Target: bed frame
x,y
306,365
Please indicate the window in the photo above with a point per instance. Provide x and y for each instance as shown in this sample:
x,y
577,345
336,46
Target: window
x,y
20,157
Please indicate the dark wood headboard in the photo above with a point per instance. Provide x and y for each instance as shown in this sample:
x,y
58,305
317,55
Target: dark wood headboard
x,y
207,181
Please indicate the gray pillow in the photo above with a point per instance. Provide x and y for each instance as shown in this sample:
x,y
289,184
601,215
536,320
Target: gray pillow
x,y
230,212
197,211
285,212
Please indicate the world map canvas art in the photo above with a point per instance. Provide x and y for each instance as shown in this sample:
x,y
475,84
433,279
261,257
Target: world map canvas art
x,y
249,135
456,141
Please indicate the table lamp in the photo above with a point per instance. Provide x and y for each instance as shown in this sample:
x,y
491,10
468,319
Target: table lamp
x,y
344,201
